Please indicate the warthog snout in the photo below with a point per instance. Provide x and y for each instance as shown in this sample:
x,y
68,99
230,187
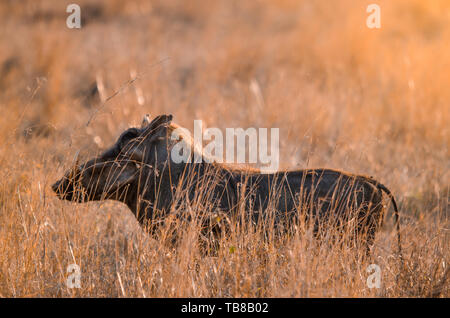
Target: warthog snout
x,y
64,189
97,179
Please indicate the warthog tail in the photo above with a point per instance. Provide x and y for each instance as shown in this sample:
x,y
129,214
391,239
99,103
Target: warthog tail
x,y
396,215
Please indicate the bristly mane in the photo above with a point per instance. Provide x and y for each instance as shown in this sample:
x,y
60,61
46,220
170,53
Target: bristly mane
x,y
232,167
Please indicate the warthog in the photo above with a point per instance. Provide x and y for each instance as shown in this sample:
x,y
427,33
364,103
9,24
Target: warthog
x,y
139,170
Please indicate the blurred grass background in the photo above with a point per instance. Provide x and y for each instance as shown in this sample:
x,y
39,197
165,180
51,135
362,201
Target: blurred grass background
x,y
369,101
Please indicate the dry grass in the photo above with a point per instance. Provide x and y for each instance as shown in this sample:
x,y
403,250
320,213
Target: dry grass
x,y
374,102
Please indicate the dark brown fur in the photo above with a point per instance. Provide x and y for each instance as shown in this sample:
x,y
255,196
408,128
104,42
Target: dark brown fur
x,y
139,171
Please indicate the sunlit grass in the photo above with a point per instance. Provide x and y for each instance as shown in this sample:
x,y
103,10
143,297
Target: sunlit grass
x,y
374,102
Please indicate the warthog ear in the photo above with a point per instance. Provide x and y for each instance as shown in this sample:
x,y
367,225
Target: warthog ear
x,y
161,120
145,121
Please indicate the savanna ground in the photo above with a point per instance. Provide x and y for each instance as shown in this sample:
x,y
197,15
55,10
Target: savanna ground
x,y
369,101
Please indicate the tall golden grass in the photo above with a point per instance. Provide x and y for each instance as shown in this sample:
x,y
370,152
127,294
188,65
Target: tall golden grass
x,y
370,101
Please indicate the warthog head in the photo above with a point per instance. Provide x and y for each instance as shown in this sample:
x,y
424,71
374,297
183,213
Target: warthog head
x,y
116,173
